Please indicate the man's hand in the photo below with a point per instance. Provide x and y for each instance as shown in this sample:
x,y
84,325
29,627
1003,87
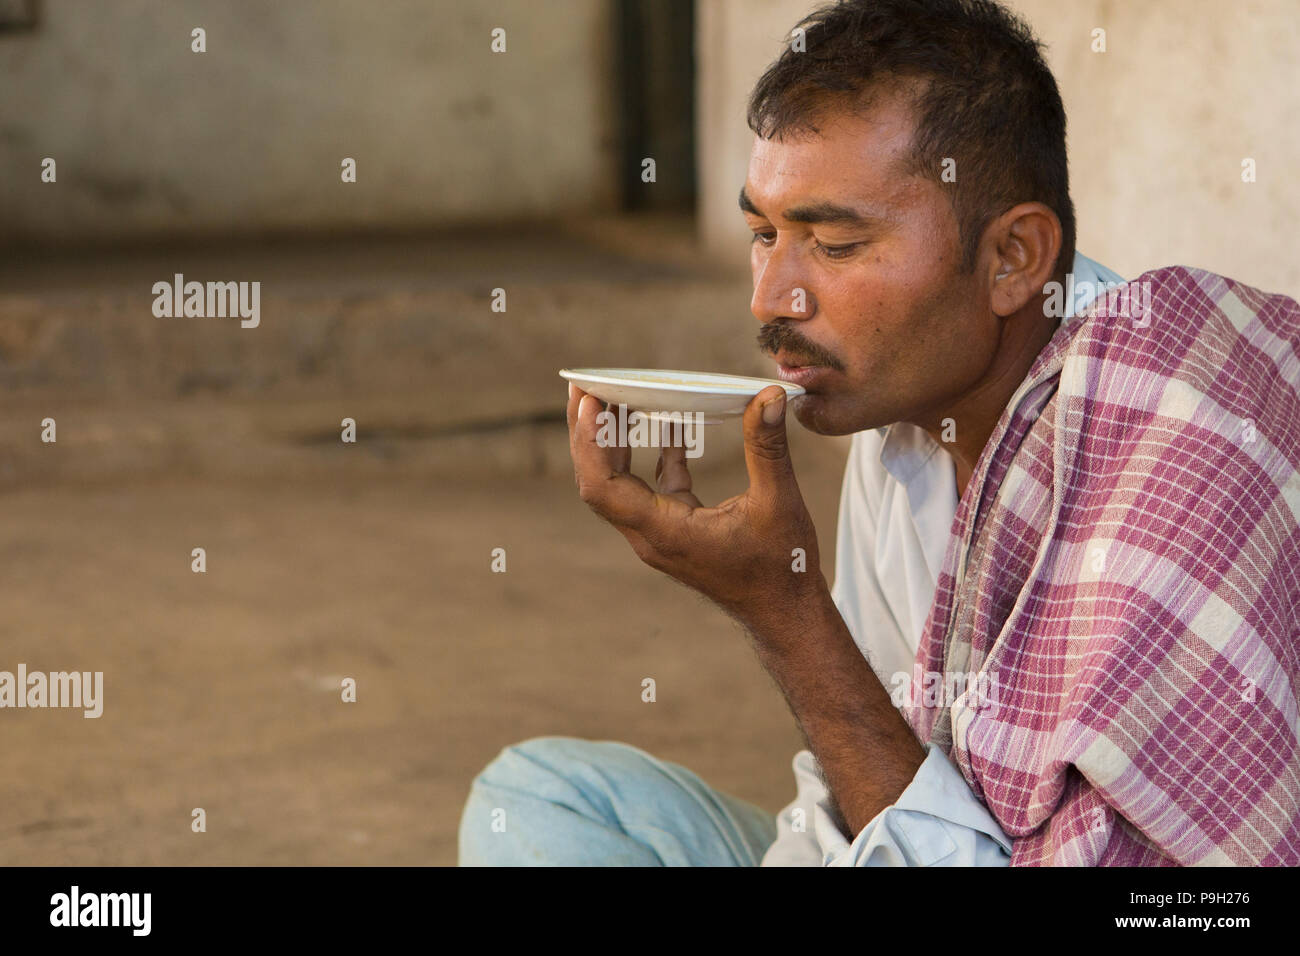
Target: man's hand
x,y
739,554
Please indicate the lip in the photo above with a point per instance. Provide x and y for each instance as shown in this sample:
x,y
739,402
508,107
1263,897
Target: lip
x,y
800,374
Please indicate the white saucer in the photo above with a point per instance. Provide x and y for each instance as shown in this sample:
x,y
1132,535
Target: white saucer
x,y
657,393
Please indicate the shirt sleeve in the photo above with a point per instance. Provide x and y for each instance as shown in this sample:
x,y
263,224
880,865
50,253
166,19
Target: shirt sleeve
x,y
936,821
796,843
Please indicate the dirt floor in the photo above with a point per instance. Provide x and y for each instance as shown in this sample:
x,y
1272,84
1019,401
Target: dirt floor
x,y
222,689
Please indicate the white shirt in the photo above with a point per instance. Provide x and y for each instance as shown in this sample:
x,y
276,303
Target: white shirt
x,y
897,505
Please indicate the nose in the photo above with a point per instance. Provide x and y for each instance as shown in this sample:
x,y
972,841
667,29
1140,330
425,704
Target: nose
x,y
781,289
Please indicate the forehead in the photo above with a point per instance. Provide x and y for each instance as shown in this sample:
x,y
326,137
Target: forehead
x,y
852,156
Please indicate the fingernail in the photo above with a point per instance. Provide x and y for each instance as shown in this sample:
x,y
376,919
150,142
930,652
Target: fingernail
x,y
570,390
774,409
582,405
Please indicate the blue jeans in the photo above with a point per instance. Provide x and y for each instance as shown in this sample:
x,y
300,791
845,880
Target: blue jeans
x,y
561,801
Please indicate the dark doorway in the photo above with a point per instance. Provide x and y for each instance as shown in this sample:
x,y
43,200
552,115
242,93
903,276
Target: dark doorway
x,y
656,55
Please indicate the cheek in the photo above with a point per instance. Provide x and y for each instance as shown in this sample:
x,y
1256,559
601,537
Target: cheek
x,y
870,335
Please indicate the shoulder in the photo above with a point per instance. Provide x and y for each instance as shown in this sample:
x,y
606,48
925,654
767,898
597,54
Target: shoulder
x,y
1176,309
1185,328
1177,407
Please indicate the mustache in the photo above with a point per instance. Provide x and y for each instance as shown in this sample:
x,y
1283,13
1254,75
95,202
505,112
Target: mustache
x,y
774,337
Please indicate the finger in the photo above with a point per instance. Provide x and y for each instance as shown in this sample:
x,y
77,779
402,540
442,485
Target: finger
x,y
767,450
621,455
672,473
672,478
620,458
613,493
571,408
571,416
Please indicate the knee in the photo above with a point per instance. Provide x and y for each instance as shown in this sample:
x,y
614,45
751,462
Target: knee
x,y
534,788
537,765
535,757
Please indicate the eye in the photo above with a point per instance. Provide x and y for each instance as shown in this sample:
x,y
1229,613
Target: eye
x,y
763,239
835,253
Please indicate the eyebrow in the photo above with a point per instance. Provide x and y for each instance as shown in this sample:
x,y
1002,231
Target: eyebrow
x,y
816,212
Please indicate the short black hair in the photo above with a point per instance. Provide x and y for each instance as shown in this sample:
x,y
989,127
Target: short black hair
x,y
986,99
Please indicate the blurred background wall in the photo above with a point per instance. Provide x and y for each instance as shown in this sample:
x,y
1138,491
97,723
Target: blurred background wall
x,y
152,138
155,140
476,172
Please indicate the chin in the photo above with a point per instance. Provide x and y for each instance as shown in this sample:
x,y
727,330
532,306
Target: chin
x,y
818,413
825,414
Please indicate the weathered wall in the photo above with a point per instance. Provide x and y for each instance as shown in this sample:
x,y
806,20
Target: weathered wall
x,y
1158,127
151,138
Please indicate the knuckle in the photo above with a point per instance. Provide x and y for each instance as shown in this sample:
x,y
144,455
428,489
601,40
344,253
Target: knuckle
x,y
668,547
644,550
769,449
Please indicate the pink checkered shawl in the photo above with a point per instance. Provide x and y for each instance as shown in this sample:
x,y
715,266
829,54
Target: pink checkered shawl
x,y
1124,570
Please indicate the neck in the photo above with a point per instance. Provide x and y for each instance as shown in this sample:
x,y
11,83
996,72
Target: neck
x,y
963,427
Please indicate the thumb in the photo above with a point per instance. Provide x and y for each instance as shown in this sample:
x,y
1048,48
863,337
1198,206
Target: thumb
x,y
767,452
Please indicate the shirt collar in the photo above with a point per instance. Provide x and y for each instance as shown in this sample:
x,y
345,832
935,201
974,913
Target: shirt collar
x,y
904,450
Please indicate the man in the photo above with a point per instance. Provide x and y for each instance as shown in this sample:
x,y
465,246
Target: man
x,y
1064,624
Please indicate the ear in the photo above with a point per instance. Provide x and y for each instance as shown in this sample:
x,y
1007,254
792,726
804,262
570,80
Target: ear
x,y
1028,240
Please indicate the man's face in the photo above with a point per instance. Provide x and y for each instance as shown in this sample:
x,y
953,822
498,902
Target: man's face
x,y
898,333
